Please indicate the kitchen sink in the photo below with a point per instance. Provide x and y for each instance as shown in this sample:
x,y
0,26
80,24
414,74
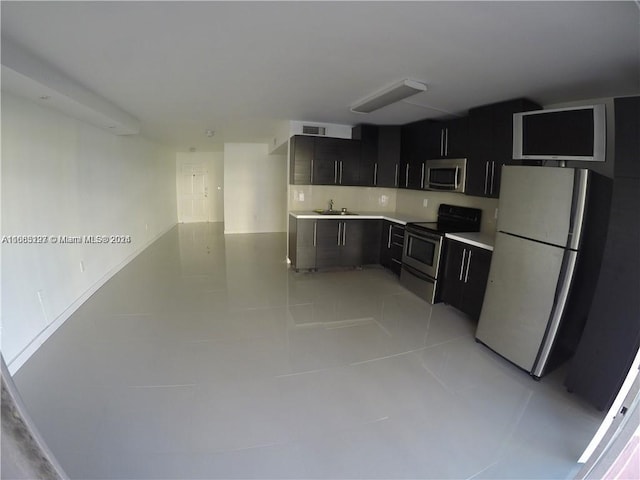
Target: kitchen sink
x,y
335,212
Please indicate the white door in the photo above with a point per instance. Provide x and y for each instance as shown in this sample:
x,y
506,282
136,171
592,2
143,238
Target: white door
x,y
194,193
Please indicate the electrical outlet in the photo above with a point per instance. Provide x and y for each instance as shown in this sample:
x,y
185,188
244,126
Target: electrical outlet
x,y
301,197
425,202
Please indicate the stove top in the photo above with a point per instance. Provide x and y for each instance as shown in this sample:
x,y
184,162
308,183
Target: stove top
x,y
452,218
443,228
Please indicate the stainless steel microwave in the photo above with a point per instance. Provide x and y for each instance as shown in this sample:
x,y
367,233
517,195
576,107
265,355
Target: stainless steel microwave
x,y
448,175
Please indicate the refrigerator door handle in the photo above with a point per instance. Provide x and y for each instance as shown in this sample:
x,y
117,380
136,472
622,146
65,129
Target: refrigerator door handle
x,y
581,179
567,273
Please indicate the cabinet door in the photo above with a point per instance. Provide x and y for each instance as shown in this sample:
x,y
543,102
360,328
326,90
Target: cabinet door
x,y
367,135
350,164
465,277
387,172
627,144
328,240
300,159
336,161
475,281
305,249
491,144
456,138
454,266
371,230
327,154
351,251
414,153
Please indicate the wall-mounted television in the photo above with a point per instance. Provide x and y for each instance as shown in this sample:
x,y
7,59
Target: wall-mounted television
x,y
575,133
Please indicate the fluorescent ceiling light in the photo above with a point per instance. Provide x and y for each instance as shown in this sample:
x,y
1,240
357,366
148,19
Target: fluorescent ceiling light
x,y
389,95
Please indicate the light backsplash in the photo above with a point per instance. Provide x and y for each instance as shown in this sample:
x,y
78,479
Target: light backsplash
x,y
411,202
372,199
355,199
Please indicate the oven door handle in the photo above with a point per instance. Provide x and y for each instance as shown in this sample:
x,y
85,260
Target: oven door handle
x,y
417,273
421,235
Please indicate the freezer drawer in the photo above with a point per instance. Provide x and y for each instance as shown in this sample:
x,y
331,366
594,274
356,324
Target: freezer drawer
x,y
519,302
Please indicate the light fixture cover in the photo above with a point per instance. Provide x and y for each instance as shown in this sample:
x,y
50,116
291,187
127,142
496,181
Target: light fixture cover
x,y
388,95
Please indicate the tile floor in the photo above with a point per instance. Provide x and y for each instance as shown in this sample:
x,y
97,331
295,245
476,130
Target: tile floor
x,y
207,358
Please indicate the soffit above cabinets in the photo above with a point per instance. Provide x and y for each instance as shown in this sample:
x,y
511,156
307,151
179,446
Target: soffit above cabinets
x,y
27,76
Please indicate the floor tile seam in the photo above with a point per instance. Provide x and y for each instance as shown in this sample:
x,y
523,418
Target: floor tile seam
x,y
386,357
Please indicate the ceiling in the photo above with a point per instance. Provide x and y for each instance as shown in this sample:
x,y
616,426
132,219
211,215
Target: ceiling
x,y
241,67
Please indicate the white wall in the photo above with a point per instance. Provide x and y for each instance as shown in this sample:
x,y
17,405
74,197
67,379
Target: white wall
x,y
214,164
61,176
255,189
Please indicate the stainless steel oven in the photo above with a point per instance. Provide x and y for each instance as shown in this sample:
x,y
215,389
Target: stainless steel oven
x,y
420,262
424,244
422,250
447,175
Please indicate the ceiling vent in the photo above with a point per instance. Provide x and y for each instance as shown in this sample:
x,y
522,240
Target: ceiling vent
x,y
313,130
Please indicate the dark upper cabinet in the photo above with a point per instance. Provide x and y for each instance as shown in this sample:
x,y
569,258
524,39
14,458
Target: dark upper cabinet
x,y
491,144
448,139
414,152
300,159
380,154
627,133
324,161
336,161
465,277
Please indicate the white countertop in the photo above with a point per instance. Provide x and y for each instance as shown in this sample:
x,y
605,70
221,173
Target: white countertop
x,y
391,216
477,239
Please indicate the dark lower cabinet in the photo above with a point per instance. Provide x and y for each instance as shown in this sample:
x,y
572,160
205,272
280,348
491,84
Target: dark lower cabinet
x,y
302,243
466,271
339,243
320,243
391,246
611,335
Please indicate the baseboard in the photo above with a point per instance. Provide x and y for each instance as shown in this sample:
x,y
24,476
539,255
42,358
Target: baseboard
x,y
19,360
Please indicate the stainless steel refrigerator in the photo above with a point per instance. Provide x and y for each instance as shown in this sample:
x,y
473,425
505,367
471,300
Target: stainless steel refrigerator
x,y
542,215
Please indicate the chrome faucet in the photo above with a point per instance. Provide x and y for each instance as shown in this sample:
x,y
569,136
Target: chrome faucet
x,y
331,204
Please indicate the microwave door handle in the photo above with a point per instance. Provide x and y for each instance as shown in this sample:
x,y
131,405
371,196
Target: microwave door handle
x,y
486,176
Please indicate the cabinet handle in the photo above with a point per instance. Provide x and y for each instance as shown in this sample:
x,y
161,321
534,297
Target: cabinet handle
x,y
466,275
395,178
389,242
315,233
406,176
486,176
446,142
464,254
493,172
442,142
312,171
375,174
339,232
344,233
335,171
341,172
422,176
